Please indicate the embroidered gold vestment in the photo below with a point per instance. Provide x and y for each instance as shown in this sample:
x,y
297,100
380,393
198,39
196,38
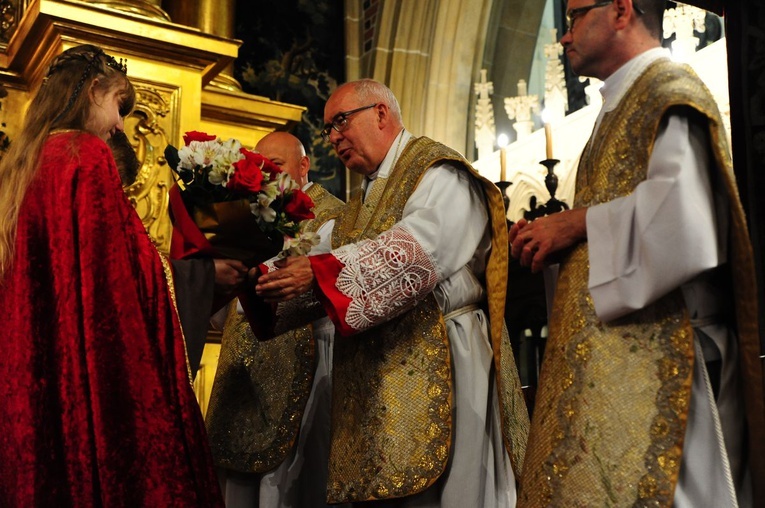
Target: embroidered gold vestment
x,y
612,407
392,384
261,387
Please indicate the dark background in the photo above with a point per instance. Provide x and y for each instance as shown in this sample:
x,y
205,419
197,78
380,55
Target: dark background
x,y
293,51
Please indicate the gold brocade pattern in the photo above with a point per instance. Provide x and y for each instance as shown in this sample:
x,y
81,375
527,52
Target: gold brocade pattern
x,y
260,391
326,207
261,388
388,439
391,411
514,413
613,400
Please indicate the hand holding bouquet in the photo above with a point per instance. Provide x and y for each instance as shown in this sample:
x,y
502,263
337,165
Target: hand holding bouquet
x,y
234,203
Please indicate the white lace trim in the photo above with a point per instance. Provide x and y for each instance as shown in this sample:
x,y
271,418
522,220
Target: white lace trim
x,y
269,264
384,277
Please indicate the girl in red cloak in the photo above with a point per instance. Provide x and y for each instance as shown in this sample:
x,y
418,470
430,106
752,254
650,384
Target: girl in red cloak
x,y
97,406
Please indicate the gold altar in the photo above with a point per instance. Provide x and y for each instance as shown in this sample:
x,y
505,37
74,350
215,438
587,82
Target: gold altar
x,y
179,73
180,58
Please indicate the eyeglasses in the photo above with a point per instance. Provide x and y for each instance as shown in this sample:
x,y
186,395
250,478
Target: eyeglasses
x,y
340,121
573,14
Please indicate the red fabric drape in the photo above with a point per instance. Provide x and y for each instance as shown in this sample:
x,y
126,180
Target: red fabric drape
x,y
326,269
187,239
97,405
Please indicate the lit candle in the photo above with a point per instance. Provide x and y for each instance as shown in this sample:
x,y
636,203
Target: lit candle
x,y
502,164
502,141
548,133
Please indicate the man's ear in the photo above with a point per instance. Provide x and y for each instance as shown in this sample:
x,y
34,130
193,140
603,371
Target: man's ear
x,y
305,165
383,115
624,12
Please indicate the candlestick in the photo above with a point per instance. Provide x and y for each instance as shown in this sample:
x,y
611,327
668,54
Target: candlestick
x,y
548,141
503,186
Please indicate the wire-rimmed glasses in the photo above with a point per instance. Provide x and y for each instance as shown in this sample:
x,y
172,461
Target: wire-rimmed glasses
x,y
340,121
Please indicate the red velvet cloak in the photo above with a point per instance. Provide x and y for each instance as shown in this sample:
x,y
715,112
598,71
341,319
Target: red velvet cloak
x,y
97,407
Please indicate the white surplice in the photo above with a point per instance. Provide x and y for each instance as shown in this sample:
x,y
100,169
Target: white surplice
x,y
671,232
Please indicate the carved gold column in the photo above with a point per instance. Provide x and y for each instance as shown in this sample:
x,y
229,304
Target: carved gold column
x,y
215,17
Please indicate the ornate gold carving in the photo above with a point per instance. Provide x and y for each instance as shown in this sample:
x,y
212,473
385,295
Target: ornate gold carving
x,y
11,11
149,128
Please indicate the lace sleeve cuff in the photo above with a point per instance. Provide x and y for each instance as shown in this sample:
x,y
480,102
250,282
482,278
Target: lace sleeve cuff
x,y
368,283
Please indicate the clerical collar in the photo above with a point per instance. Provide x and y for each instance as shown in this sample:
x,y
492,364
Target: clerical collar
x,y
393,153
617,84
383,170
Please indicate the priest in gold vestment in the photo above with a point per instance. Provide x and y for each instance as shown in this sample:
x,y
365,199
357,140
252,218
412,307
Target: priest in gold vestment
x,y
268,419
426,402
651,388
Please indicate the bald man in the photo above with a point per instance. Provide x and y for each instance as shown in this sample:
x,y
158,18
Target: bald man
x,y
268,418
287,152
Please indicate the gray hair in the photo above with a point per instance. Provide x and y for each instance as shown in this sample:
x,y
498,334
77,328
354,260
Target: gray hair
x,y
369,90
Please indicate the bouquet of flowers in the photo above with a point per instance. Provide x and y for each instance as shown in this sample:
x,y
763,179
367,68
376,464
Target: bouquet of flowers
x,y
234,203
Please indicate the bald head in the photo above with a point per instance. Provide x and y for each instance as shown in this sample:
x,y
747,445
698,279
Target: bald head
x,y
287,152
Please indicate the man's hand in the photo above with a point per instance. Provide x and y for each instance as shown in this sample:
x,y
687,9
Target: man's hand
x,y
536,242
293,278
230,274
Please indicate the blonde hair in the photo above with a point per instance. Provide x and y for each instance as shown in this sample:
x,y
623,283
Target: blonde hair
x,y
70,75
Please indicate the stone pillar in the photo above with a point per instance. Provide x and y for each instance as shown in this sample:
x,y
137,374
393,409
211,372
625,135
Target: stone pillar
x,y
215,17
147,8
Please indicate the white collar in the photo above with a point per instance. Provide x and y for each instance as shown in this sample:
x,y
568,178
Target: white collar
x,y
617,84
384,169
393,153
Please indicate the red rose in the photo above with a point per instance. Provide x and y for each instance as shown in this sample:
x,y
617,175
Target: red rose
x,y
197,136
299,205
263,163
247,177
266,165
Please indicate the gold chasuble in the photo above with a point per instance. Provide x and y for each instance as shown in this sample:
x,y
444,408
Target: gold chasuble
x,y
261,387
392,397
612,407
